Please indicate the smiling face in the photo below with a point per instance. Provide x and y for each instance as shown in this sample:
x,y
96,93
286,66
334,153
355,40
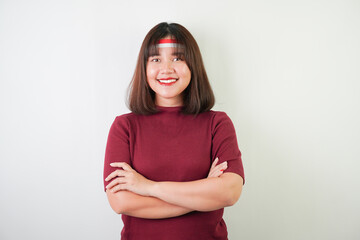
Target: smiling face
x,y
168,75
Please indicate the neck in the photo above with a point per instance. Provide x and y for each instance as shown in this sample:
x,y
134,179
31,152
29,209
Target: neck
x,y
168,102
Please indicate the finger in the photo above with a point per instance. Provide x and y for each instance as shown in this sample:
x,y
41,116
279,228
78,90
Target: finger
x,y
213,165
215,162
116,173
213,174
118,188
224,166
218,170
221,166
218,173
123,165
115,182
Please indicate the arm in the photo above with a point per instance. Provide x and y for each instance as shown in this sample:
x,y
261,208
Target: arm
x,y
132,204
201,195
128,203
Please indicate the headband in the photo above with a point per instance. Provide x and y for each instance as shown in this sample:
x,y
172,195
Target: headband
x,y
168,42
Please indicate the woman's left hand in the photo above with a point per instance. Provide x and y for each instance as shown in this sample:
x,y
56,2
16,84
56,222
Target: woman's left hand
x,y
128,179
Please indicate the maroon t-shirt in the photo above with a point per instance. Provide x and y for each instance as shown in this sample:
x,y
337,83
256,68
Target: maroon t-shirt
x,y
172,146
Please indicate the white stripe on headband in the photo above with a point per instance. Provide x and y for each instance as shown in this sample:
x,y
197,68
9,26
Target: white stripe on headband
x,y
171,43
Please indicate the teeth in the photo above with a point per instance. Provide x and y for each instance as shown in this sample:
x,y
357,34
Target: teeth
x,y
167,81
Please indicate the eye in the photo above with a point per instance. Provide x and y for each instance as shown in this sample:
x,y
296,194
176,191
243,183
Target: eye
x,y
154,60
177,59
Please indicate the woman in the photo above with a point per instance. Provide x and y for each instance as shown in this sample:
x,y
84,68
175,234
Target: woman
x,y
172,164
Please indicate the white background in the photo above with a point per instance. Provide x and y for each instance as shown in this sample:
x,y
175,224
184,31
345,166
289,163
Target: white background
x,y
286,72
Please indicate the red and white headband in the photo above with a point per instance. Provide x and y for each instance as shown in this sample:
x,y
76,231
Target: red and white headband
x,y
168,42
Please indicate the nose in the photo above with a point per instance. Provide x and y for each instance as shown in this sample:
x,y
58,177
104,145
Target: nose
x,y
167,67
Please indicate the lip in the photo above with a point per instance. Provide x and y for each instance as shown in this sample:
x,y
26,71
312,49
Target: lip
x,y
167,78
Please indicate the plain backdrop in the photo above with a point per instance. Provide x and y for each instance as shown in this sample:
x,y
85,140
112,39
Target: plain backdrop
x,y
286,72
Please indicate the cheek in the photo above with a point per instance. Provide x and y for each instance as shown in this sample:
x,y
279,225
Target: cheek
x,y
150,72
186,72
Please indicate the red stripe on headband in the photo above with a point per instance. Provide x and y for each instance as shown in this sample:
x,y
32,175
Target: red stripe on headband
x,y
167,40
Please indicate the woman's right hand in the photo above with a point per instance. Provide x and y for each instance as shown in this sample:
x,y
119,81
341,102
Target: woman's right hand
x,y
217,170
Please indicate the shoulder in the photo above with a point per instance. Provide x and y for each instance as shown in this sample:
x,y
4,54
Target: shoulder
x,y
130,120
219,116
122,122
220,120
124,117
127,117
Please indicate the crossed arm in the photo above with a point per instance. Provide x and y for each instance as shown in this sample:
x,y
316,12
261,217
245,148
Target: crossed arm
x,y
132,194
132,204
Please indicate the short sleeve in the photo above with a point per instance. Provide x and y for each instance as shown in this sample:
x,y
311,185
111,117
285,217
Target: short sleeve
x,y
224,144
118,146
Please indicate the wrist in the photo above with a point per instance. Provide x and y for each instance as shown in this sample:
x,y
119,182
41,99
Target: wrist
x,y
153,188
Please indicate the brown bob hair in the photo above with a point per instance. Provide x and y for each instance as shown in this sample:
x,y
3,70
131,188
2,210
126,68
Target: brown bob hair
x,y
198,96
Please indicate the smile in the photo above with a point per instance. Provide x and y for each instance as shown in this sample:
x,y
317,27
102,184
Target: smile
x,y
167,81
